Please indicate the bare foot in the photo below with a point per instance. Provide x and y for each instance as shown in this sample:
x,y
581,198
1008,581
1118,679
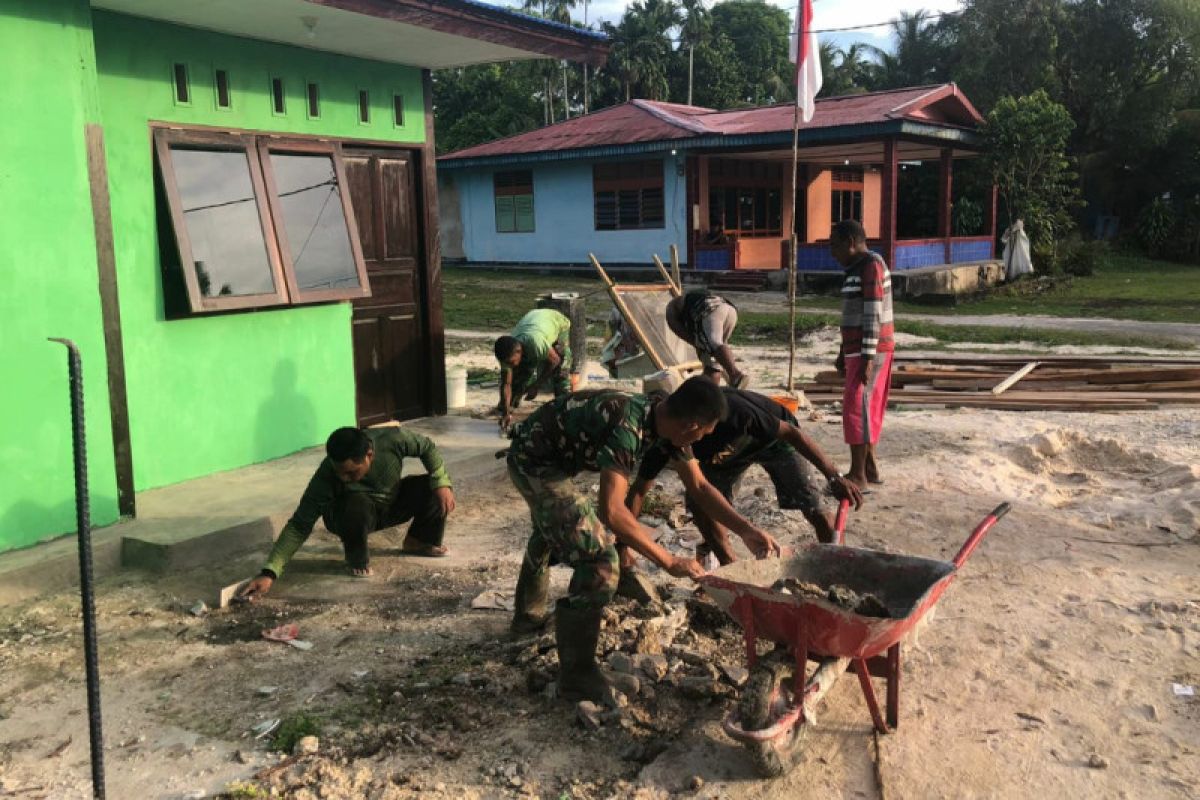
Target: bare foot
x,y
858,480
361,572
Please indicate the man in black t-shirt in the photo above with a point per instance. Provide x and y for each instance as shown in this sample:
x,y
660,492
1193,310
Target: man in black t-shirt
x,y
757,430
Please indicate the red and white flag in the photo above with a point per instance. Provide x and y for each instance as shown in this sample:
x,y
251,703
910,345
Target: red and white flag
x,y
806,53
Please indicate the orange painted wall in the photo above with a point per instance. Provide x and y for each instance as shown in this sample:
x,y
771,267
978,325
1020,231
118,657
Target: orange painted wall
x,y
872,196
820,201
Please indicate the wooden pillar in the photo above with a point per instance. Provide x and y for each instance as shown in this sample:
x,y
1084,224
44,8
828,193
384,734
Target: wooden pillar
x,y
887,205
946,199
692,193
435,324
989,215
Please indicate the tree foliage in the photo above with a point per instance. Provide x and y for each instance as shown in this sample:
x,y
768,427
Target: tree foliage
x,y
1027,156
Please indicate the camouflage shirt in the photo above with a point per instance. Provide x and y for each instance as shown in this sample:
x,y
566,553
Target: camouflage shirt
x,y
588,431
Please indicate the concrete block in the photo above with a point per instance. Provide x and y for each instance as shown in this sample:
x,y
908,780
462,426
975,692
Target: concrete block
x,y
172,550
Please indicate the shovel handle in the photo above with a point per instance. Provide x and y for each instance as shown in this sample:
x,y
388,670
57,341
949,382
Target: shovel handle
x,y
980,531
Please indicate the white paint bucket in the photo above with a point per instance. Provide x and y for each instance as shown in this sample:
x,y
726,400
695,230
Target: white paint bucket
x,y
456,387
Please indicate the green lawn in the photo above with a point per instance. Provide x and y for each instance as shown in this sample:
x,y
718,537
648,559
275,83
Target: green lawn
x,y
494,301
772,328
1124,287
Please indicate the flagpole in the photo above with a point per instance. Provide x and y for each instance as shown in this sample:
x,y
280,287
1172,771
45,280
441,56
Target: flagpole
x,y
792,251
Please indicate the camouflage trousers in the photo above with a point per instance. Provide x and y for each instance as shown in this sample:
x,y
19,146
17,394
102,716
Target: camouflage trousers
x,y
566,527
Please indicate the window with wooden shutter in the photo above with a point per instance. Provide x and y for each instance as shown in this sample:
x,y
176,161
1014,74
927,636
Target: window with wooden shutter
x,y
628,195
514,201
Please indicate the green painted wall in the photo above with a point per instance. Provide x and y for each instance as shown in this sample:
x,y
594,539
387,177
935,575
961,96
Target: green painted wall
x,y
214,393
48,257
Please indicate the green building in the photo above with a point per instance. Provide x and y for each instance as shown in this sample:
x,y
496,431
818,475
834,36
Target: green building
x,y
231,208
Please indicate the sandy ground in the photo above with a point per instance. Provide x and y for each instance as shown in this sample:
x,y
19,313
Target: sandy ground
x,y
1048,667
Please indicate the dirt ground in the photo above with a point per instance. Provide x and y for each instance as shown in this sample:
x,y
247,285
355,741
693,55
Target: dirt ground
x,y
1050,662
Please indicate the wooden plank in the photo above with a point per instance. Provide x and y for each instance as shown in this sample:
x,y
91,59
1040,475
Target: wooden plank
x,y
1002,386
675,267
675,290
110,312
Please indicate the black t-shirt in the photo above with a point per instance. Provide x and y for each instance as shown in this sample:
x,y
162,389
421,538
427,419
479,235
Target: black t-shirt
x,y
751,427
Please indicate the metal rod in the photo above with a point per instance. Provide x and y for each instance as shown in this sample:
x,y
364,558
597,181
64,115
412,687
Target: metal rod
x,y
83,525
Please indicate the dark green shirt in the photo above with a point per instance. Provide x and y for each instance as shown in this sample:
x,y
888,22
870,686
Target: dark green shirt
x,y
325,489
588,431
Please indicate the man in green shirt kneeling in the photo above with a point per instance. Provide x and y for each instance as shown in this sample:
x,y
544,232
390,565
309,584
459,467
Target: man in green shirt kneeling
x,y
359,489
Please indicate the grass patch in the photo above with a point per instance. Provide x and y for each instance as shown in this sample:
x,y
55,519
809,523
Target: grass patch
x,y
773,328
494,301
1124,287
482,300
292,729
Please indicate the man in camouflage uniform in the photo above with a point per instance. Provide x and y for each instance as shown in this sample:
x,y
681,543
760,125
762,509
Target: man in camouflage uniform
x,y
604,431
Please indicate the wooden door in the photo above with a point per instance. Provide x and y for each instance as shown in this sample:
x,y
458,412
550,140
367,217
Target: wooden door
x,y
391,375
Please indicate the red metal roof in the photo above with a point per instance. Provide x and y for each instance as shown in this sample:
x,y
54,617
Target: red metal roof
x,y
652,121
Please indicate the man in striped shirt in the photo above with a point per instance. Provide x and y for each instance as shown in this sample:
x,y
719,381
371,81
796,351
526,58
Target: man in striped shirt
x,y
868,341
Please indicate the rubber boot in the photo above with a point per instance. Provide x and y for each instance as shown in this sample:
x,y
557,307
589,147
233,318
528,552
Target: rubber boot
x,y
636,586
529,611
577,630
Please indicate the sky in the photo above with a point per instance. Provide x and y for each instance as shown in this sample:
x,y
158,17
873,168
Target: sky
x,y
826,14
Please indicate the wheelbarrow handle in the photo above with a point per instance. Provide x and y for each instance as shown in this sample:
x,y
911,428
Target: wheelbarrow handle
x,y
839,522
980,531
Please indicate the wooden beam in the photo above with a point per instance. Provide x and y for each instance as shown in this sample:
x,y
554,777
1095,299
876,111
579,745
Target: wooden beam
x,y
435,320
675,267
1003,385
675,290
888,201
110,310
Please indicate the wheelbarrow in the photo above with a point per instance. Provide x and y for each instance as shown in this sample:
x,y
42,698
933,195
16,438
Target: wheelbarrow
x,y
878,599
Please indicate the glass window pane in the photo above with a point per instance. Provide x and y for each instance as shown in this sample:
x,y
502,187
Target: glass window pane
x,y
223,223
504,213
523,210
314,221
606,211
652,208
629,201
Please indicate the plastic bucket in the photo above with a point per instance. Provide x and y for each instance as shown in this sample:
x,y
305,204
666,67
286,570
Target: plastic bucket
x,y
456,387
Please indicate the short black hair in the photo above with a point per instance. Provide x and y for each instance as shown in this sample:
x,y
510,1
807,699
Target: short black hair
x,y
849,230
699,400
344,444
505,346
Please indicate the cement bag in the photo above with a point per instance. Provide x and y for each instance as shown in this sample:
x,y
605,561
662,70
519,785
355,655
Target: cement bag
x,y
1016,251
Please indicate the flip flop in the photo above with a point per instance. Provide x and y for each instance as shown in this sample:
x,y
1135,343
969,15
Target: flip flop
x,y
424,550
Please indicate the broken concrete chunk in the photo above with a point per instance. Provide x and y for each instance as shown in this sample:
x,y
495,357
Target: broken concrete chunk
x,y
621,663
199,609
588,714
1097,761
306,746
626,683
461,679
653,666
267,691
735,675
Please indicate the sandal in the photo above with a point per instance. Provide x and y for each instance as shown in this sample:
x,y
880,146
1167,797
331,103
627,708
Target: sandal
x,y
423,550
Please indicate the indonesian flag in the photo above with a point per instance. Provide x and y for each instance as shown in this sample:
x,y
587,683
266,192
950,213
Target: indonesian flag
x,y
805,52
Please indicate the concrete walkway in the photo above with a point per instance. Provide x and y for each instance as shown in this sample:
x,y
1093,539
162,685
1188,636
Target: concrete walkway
x,y
776,302
210,519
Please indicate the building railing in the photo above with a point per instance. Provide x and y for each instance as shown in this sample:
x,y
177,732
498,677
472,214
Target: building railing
x,y
910,253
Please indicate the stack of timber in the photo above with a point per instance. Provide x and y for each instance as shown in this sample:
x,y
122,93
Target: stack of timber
x,y
1033,383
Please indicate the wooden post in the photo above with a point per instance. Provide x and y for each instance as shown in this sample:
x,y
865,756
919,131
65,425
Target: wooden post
x,y
989,215
675,267
619,302
946,199
435,321
887,204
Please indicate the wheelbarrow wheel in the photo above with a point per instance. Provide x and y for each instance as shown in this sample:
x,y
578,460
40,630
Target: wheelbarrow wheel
x,y
767,694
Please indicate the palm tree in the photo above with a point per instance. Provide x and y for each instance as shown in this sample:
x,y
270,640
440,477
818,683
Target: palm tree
x,y
560,11
694,31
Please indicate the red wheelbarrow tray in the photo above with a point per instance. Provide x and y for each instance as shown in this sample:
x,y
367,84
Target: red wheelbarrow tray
x,y
906,585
